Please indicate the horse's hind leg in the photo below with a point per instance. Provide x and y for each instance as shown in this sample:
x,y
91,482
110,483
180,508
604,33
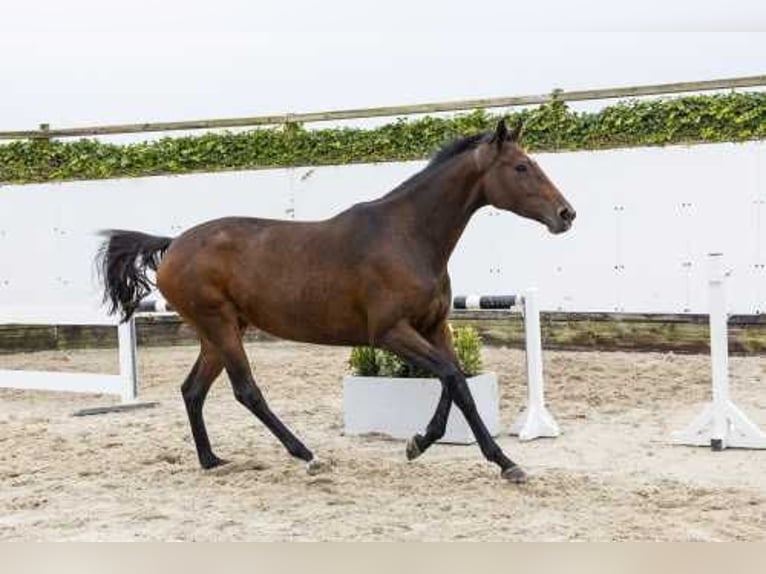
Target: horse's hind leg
x,y
194,391
248,393
227,338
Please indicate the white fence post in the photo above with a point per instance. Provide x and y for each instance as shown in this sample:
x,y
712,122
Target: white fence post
x,y
126,342
536,421
721,423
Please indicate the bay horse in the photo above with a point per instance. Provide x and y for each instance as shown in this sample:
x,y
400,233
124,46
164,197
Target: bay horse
x,y
375,274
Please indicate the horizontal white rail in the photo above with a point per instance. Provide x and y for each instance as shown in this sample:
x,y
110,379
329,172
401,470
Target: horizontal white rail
x,y
53,381
123,384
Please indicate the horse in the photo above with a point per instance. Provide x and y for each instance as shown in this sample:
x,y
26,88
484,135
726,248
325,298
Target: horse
x,y
375,274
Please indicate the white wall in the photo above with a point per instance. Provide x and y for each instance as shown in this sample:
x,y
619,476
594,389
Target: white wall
x,y
646,219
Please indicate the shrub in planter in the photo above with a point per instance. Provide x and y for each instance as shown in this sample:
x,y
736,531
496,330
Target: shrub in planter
x,y
389,396
372,362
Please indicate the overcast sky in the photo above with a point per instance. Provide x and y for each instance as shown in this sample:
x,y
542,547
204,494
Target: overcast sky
x,y
77,62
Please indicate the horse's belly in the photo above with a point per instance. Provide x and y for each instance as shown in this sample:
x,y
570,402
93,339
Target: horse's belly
x,y
329,318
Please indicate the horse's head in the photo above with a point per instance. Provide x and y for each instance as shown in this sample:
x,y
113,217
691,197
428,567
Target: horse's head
x,y
514,182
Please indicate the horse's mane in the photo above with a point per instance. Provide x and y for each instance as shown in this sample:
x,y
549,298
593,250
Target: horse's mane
x,y
445,153
453,148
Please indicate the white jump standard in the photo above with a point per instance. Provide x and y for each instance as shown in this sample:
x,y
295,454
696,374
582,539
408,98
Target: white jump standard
x,y
721,424
536,421
122,384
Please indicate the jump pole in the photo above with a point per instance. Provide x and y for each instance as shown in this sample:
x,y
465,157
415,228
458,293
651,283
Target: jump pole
x,y
535,421
721,424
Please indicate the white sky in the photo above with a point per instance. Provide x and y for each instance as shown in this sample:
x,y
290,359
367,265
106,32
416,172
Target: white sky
x,y
75,62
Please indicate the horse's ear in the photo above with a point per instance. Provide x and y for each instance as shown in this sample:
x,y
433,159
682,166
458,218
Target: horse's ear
x,y
516,132
501,134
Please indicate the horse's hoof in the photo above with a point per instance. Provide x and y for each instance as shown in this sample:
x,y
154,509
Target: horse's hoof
x,y
412,449
213,462
316,466
515,474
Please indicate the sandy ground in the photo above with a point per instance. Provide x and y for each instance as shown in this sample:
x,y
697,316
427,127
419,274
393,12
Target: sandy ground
x,y
611,476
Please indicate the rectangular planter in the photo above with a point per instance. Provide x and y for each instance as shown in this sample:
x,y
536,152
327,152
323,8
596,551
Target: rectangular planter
x,y
402,407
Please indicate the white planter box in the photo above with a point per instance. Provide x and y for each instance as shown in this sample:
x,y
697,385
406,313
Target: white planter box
x,y
402,407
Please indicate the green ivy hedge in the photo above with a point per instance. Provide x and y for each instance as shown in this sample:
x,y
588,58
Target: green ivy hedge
x,y
732,117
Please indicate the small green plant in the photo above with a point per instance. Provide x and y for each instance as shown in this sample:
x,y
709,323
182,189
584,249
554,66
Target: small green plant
x,y
467,343
365,361
372,362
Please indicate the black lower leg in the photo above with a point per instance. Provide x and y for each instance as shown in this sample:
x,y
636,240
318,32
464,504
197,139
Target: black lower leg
x,y
464,401
435,429
251,397
194,391
408,343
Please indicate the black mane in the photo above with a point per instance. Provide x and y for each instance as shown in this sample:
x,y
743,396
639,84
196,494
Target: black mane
x,y
447,152
455,147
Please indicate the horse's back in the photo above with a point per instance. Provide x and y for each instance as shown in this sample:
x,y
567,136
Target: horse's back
x,y
298,280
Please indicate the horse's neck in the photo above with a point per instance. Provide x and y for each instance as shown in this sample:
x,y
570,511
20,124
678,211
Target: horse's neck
x,y
438,206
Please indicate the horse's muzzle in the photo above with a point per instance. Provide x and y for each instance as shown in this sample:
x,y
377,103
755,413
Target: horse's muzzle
x,y
563,220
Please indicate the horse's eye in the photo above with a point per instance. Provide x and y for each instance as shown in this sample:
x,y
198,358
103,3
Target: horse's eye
x,y
521,168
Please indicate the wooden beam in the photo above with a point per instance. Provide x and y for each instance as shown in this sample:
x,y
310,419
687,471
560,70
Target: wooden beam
x,y
389,111
686,333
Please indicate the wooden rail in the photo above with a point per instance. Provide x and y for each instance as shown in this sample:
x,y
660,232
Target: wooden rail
x,y
575,331
45,131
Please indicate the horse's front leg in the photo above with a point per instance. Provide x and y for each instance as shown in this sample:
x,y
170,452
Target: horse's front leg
x,y
405,341
435,429
437,426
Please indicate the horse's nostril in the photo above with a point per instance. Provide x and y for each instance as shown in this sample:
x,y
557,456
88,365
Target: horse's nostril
x,y
567,214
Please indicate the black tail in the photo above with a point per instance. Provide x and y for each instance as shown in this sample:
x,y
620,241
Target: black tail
x,y
123,261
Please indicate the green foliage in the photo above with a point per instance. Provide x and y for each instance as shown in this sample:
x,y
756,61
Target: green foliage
x,y
365,361
467,343
550,127
371,362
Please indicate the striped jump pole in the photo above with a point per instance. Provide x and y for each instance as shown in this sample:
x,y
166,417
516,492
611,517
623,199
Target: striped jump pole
x,y
154,306
721,423
536,421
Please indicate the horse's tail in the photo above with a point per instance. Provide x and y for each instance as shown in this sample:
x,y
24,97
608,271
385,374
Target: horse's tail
x,y
123,261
